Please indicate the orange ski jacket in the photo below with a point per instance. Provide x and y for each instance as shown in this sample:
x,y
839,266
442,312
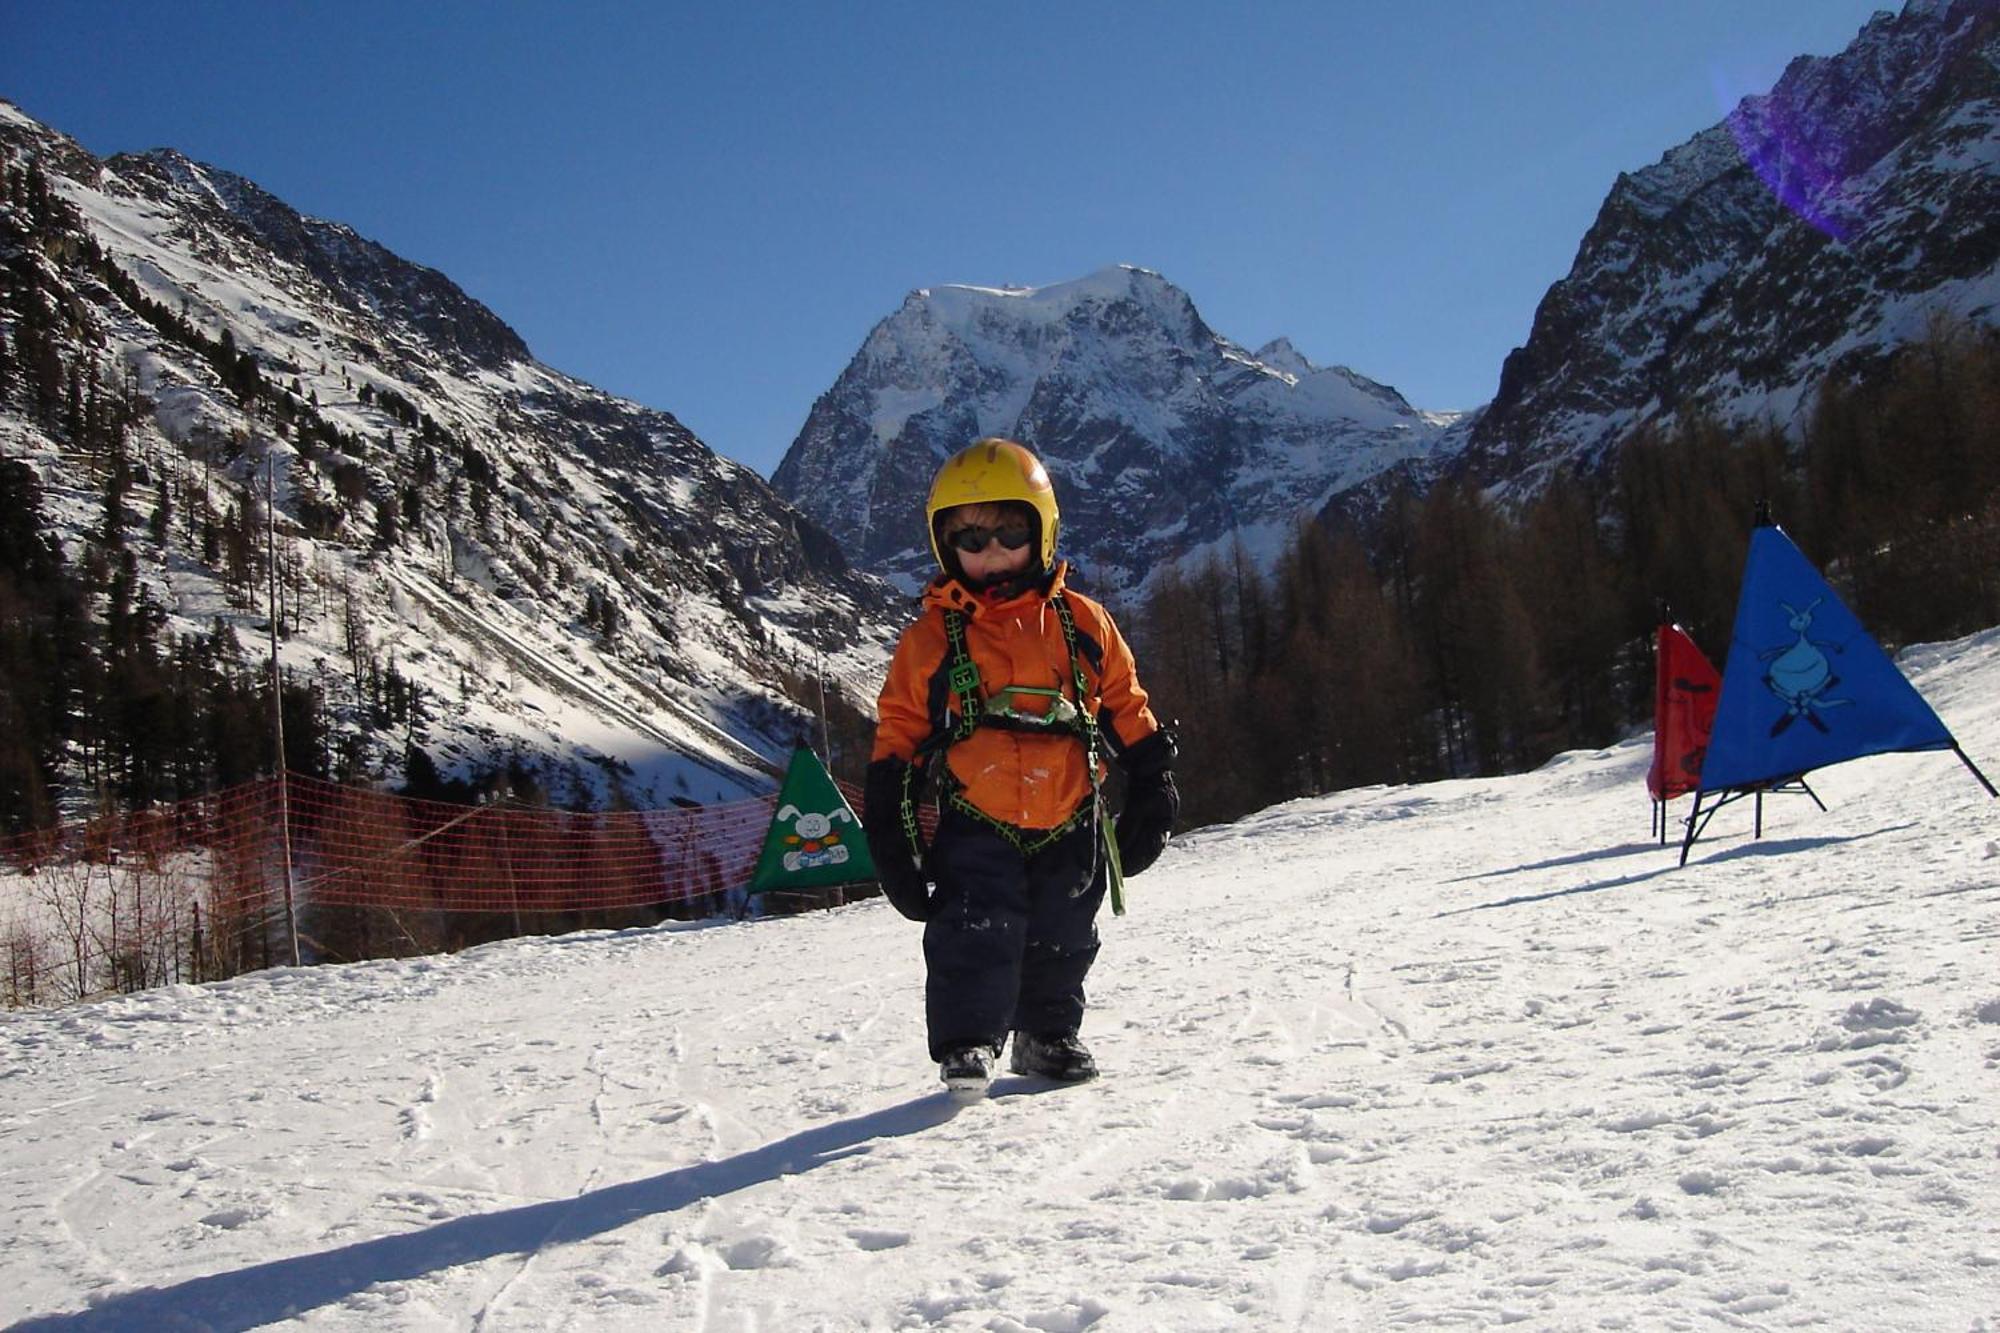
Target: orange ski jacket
x,y
1031,780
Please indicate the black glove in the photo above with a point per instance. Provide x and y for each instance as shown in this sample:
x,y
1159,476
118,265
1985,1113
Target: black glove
x,y
1151,802
895,861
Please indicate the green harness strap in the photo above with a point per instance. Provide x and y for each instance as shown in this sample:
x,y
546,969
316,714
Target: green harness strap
x,y
976,710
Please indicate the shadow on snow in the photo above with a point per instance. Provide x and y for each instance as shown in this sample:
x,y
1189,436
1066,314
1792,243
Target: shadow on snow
x,y
1557,862
284,1288
1761,848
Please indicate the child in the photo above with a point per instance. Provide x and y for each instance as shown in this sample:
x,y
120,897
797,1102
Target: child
x,y
1005,696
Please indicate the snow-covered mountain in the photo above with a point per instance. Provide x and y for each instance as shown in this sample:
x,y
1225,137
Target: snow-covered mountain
x,y
1811,232
566,574
1163,436
1815,230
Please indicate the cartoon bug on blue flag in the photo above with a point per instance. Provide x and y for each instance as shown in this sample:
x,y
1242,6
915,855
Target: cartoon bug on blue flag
x,y
1805,686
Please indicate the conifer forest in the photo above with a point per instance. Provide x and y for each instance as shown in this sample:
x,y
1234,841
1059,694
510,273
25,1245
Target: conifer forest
x,y
1455,635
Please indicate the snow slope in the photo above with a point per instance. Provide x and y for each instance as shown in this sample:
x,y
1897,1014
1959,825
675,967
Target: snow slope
x,y
1457,1055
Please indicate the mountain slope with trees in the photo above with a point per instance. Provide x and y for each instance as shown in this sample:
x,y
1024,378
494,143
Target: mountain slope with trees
x,y
217,415
1813,232
1454,634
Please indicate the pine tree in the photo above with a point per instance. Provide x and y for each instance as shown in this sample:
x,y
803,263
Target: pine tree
x,y
1567,576
388,526
1473,631
161,523
41,638
72,424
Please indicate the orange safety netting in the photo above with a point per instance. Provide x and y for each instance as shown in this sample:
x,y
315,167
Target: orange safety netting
x,y
363,849
200,889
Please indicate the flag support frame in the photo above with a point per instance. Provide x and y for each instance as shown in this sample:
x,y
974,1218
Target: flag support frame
x,y
1697,821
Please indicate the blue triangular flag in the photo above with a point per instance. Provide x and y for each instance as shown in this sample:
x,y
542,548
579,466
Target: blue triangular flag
x,y
1805,685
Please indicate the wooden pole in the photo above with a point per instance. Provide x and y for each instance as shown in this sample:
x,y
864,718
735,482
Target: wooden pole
x,y
278,690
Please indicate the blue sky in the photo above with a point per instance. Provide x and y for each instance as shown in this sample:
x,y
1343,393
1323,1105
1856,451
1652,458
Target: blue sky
x,y
707,208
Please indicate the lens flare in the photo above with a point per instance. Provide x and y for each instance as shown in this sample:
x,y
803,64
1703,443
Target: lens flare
x,y
1798,147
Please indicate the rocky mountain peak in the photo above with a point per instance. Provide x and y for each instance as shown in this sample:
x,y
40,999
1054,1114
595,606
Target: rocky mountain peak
x,y
1164,438
1814,229
369,279
1280,355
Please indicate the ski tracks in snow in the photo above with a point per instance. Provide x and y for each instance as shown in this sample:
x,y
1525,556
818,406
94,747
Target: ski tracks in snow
x,y
1397,1111
1545,1085
1354,1079
1324,1111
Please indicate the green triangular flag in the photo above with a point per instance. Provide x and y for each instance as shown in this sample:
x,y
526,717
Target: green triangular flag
x,y
815,839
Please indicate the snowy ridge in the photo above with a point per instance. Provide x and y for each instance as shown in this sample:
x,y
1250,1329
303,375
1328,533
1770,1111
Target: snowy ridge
x,y
1163,437
542,509
1812,232
1467,1054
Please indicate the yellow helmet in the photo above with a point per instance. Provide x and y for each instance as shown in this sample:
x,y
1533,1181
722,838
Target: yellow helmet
x,y
991,471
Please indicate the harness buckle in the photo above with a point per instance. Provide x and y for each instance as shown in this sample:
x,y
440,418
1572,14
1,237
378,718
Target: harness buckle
x,y
964,678
1062,713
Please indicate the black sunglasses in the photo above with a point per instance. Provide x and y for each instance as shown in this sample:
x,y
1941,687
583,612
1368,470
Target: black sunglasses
x,y
973,540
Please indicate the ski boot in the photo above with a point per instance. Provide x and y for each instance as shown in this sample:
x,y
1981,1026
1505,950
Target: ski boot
x,y
968,1071
1059,1056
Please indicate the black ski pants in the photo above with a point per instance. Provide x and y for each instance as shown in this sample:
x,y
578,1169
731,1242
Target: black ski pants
x,y
1010,937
